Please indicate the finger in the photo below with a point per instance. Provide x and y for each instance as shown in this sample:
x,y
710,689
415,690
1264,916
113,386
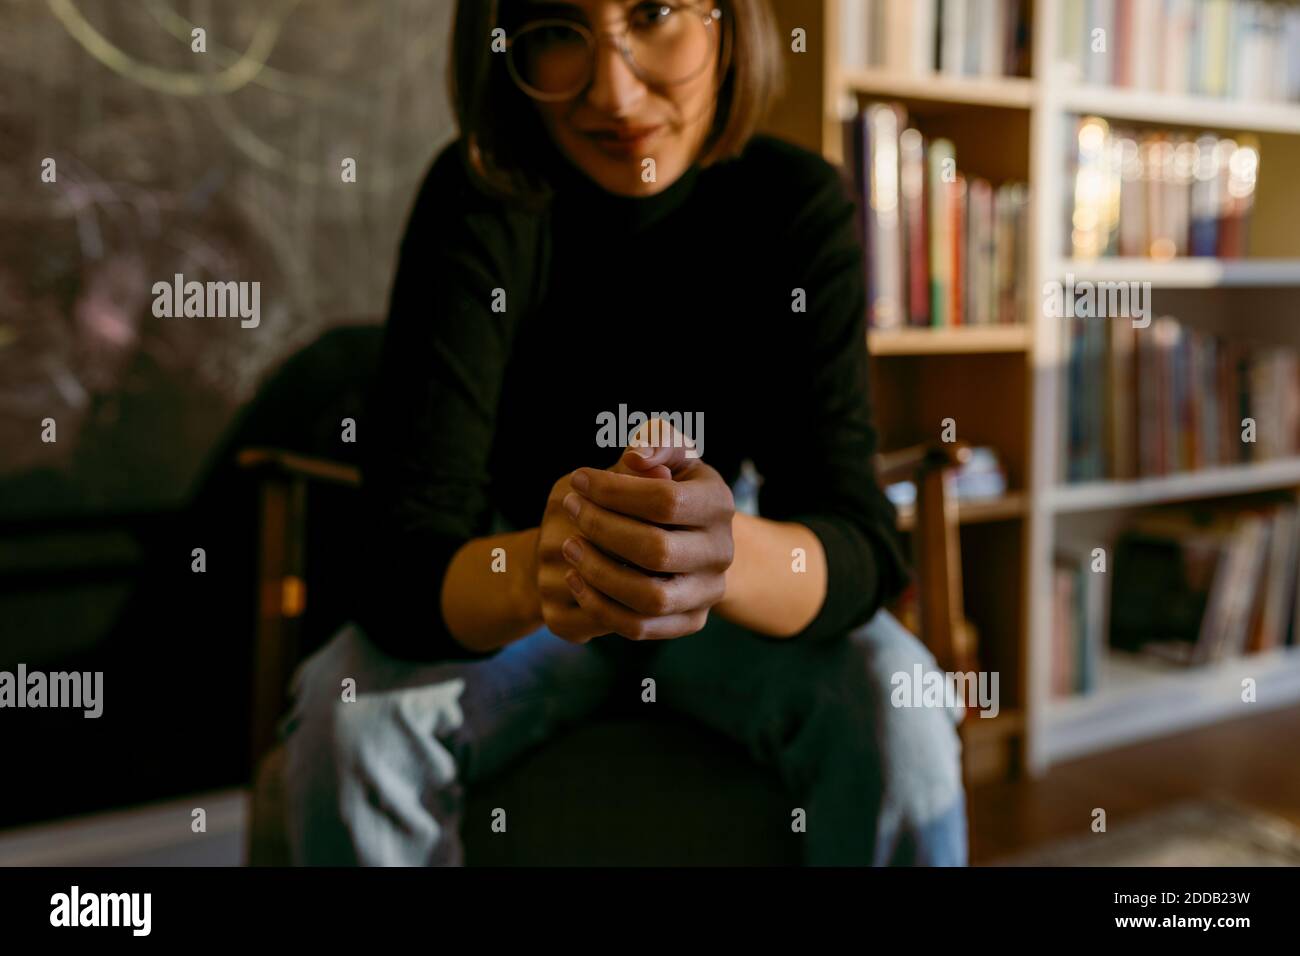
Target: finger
x,y
646,545
551,587
621,467
682,503
627,623
640,592
573,624
658,443
642,460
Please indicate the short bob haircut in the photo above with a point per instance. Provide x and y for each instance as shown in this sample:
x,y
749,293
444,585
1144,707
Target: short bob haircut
x,y
499,124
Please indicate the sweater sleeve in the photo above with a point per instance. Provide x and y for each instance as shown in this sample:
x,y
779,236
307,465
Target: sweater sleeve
x,y
819,441
431,415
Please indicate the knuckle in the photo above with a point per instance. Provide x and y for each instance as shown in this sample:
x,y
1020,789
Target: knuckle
x,y
667,502
552,620
718,591
587,521
659,552
595,568
659,598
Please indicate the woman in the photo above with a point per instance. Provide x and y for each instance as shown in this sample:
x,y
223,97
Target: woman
x,y
608,235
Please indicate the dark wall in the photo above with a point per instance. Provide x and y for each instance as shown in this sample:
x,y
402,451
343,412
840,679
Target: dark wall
x,y
223,165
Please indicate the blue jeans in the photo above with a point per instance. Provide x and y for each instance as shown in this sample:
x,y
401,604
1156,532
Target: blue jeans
x,y
378,780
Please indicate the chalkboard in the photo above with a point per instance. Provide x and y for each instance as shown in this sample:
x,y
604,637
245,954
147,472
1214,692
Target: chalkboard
x,y
270,141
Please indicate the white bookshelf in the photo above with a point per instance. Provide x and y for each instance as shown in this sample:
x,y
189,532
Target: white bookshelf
x,y
1191,273
1203,112
1138,699
1182,486
1135,700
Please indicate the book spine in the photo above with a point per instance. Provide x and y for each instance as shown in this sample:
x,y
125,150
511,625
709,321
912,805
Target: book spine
x,y
1178,38
853,33
957,236
1072,49
887,303
1100,58
922,39
912,183
942,162
952,46
898,36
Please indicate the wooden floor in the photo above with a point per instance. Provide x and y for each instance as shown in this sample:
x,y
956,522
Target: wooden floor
x,y
1254,761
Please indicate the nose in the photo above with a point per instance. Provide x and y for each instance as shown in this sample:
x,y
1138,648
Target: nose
x,y
615,90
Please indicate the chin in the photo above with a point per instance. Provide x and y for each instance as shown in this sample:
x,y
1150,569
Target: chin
x,y
623,175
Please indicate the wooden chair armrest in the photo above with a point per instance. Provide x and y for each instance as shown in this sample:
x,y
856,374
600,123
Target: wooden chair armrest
x,y
300,466
906,463
283,478
935,542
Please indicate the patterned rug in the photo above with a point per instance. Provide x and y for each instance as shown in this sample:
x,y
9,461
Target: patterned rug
x,y
1197,833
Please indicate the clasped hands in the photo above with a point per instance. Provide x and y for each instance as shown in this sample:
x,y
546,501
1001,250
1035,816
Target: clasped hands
x,y
640,549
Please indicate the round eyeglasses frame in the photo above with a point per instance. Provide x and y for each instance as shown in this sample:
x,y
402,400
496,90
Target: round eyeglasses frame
x,y
710,18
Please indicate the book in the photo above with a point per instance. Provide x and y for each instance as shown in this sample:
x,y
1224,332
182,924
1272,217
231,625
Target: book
x,y
952,36
1279,582
920,37
1064,627
942,161
1138,403
1158,195
942,248
1189,584
885,241
957,194
912,172
1080,620
1238,49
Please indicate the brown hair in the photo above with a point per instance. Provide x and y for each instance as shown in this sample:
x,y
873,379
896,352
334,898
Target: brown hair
x,y
499,125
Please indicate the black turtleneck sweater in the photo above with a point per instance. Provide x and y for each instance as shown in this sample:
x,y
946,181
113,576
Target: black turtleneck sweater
x,y
683,302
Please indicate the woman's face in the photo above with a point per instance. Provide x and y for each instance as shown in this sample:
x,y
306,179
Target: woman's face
x,y
624,117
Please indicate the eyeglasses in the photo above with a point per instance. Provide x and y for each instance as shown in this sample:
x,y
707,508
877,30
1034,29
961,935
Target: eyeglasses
x,y
663,43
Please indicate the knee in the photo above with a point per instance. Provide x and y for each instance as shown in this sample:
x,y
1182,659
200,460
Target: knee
x,y
318,685
359,766
914,751
355,710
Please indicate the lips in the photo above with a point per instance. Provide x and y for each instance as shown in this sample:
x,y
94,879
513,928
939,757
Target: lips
x,y
623,140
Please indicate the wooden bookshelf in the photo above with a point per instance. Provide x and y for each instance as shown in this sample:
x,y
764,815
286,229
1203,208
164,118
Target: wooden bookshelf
x,y
950,341
1010,92
989,744
1003,381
